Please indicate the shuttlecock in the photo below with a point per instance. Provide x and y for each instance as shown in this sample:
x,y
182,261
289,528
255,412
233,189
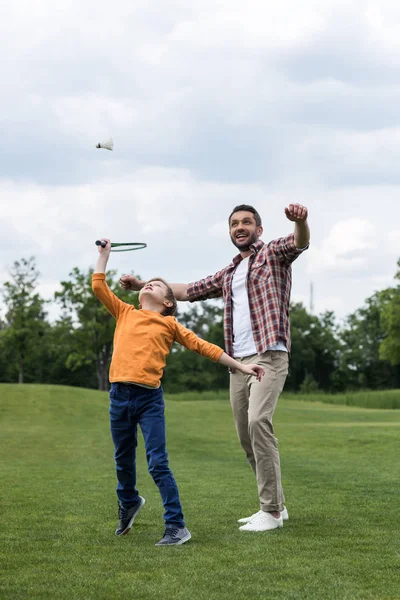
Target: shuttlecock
x,y
107,145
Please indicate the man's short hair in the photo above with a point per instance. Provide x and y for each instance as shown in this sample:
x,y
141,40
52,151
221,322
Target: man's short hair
x,y
247,208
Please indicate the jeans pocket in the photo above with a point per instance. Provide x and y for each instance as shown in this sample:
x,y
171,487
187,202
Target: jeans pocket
x,y
113,389
118,400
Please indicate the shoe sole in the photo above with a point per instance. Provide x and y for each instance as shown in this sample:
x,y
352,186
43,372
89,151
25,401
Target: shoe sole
x,y
259,530
129,526
182,541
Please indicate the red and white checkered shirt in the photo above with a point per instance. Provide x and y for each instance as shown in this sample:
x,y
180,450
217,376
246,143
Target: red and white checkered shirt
x,y
268,282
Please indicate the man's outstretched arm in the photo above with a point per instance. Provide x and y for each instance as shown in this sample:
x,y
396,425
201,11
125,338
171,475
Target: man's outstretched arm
x,y
180,291
299,214
132,283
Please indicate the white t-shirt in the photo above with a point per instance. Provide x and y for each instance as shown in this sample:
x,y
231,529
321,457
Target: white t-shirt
x,y
243,340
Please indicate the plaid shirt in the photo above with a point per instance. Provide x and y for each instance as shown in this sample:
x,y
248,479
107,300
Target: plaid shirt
x,y
269,282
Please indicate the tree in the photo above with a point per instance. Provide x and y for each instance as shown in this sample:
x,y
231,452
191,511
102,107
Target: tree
x,y
361,364
188,370
8,364
90,325
58,344
25,315
314,349
390,347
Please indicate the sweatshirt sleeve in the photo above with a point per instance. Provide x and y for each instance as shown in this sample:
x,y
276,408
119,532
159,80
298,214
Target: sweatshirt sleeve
x,y
101,290
191,341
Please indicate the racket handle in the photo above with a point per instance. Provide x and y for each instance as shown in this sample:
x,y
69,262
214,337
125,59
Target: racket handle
x,y
101,243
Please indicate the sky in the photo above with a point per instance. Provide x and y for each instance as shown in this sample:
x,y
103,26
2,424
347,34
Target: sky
x,y
210,104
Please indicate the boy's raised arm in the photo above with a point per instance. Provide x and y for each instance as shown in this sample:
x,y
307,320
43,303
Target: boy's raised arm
x,y
99,284
104,254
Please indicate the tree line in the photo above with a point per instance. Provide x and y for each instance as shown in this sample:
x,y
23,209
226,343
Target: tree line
x,y
360,352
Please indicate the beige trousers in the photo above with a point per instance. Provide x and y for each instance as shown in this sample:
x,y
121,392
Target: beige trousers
x,y
253,404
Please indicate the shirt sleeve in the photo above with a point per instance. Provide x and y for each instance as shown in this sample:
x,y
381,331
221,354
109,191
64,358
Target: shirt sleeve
x,y
191,341
210,287
101,290
285,249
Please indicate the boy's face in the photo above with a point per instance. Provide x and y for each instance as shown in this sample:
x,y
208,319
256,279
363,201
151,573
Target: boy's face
x,y
243,230
156,291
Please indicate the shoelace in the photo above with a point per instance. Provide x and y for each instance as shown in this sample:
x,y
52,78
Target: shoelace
x,y
122,513
171,531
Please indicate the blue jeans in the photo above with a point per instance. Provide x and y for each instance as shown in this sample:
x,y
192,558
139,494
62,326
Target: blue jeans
x,y
130,406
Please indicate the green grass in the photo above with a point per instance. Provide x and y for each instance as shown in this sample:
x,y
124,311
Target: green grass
x,y
387,399
341,474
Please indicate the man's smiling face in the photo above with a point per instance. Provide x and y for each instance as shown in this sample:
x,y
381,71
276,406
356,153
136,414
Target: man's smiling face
x,y
243,230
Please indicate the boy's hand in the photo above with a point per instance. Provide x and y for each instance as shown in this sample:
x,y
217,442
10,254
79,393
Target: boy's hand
x,y
254,370
103,256
129,282
107,248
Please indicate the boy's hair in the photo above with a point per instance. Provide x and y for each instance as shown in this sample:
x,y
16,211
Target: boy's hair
x,y
170,296
247,208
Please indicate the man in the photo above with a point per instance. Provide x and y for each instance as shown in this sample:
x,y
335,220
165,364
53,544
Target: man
x,y
256,290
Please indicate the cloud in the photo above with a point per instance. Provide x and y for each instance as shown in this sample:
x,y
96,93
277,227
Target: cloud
x,y
345,250
393,241
201,86
210,105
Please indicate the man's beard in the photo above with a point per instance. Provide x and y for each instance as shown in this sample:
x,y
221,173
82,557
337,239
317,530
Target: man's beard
x,y
245,247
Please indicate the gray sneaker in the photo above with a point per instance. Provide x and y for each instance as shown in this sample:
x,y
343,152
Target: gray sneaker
x,y
174,536
127,516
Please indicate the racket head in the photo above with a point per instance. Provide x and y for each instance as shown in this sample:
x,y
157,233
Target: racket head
x,y
122,246
127,246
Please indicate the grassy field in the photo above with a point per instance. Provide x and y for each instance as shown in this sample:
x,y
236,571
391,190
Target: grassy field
x,y
341,473
386,399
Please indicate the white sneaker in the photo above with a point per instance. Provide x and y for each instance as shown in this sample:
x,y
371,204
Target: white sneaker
x,y
250,518
284,515
263,522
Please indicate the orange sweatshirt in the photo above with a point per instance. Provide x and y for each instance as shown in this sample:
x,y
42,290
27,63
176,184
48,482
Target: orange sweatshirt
x,y
143,339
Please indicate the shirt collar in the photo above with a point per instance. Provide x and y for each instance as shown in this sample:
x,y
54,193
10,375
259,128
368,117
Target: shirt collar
x,y
254,249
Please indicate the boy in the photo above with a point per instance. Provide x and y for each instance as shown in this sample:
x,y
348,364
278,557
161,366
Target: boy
x,y
142,341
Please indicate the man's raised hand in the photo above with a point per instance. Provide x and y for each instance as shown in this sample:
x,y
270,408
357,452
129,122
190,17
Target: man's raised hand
x,y
296,213
132,283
